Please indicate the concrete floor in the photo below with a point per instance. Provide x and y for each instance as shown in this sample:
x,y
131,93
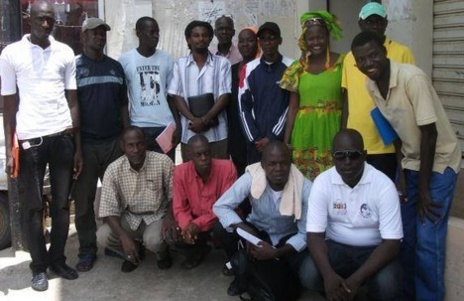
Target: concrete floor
x,y
106,282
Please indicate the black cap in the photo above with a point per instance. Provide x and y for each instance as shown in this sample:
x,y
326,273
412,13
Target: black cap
x,y
269,26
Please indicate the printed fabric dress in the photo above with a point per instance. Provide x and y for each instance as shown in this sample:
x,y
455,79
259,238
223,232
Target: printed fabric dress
x,y
318,117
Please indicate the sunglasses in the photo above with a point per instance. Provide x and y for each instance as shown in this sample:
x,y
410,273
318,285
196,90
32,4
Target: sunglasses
x,y
315,22
351,154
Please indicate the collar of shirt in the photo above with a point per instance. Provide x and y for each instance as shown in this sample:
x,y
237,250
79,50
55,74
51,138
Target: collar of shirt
x,y
27,39
209,59
272,65
129,167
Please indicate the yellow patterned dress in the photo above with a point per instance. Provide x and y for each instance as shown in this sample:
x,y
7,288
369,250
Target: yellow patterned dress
x,y
318,117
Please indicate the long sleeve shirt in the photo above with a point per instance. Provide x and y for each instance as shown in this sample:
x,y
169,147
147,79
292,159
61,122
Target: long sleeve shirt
x,y
265,214
193,199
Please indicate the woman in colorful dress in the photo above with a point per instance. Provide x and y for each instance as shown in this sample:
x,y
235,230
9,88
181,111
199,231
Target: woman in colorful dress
x,y
314,81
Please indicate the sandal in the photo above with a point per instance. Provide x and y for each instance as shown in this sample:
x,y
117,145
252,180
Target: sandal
x,y
85,263
195,259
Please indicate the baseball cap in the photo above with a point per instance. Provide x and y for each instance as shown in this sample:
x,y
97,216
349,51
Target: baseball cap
x,y
92,23
269,26
372,8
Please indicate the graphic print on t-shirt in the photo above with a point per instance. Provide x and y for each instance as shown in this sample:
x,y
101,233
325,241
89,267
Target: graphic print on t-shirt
x,y
149,79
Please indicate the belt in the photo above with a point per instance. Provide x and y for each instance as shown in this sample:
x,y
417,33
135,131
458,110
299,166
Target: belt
x,y
38,140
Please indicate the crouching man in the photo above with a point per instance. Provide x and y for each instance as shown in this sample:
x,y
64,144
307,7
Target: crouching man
x,y
278,194
136,193
354,227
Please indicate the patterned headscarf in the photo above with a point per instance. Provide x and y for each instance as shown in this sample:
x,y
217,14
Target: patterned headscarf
x,y
317,18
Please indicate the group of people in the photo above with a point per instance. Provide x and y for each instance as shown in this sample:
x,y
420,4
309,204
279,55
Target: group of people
x,y
354,208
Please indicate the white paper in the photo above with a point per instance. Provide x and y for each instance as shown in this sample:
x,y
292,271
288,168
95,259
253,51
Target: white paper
x,y
249,237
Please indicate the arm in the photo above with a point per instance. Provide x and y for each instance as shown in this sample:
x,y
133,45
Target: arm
x,y
10,108
124,111
332,281
175,114
401,181
180,203
245,106
426,206
217,108
73,104
127,243
345,111
291,114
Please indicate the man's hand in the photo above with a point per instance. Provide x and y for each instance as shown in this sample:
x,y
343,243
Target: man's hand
x,y
78,164
335,289
427,208
261,143
170,231
196,125
190,233
130,250
265,251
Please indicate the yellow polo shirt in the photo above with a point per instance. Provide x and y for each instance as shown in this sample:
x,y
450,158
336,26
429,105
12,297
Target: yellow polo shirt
x,y
412,102
360,104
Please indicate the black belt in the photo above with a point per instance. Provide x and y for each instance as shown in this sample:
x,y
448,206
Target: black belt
x,y
69,131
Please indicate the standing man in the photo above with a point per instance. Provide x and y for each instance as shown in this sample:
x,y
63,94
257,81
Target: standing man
x,y
263,104
102,96
136,194
44,121
431,160
358,104
354,227
197,185
224,31
202,75
148,71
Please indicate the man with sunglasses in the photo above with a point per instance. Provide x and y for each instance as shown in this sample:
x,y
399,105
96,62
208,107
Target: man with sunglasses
x,y
263,104
354,227
431,160
358,104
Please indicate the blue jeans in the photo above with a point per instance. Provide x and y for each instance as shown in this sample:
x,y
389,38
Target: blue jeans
x,y
345,260
423,248
58,152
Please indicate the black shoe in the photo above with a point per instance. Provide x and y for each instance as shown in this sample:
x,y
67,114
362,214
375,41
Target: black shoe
x,y
233,289
165,261
39,281
127,266
64,271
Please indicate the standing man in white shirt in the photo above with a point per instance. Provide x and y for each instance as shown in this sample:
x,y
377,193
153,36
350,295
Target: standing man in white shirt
x,y
198,74
45,121
148,72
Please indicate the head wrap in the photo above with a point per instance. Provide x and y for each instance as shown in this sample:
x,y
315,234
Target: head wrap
x,y
317,18
255,31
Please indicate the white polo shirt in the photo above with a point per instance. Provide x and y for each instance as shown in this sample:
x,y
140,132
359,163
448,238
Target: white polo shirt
x,y
359,216
42,76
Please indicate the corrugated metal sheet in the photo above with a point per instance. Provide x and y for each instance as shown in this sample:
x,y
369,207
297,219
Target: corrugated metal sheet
x,y
448,60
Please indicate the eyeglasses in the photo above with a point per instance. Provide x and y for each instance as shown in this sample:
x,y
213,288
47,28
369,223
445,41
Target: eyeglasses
x,y
351,154
315,22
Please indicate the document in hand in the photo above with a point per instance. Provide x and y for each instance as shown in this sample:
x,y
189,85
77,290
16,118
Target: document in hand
x,y
164,139
249,237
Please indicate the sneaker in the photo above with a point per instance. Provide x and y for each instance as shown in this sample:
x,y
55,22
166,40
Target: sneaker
x,y
39,281
127,266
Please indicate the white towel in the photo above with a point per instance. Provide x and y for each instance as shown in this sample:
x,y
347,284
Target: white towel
x,y
290,203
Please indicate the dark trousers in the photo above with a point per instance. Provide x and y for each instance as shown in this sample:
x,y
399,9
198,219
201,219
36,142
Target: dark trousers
x,y
253,155
58,152
386,163
97,157
150,134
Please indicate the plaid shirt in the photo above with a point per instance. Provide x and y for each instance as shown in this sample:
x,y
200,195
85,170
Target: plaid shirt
x,y
136,196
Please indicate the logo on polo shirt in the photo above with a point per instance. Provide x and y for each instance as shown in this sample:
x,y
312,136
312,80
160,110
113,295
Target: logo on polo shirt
x,y
365,211
339,207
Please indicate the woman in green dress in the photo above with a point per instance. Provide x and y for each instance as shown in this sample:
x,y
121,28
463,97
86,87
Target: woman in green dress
x,y
314,81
